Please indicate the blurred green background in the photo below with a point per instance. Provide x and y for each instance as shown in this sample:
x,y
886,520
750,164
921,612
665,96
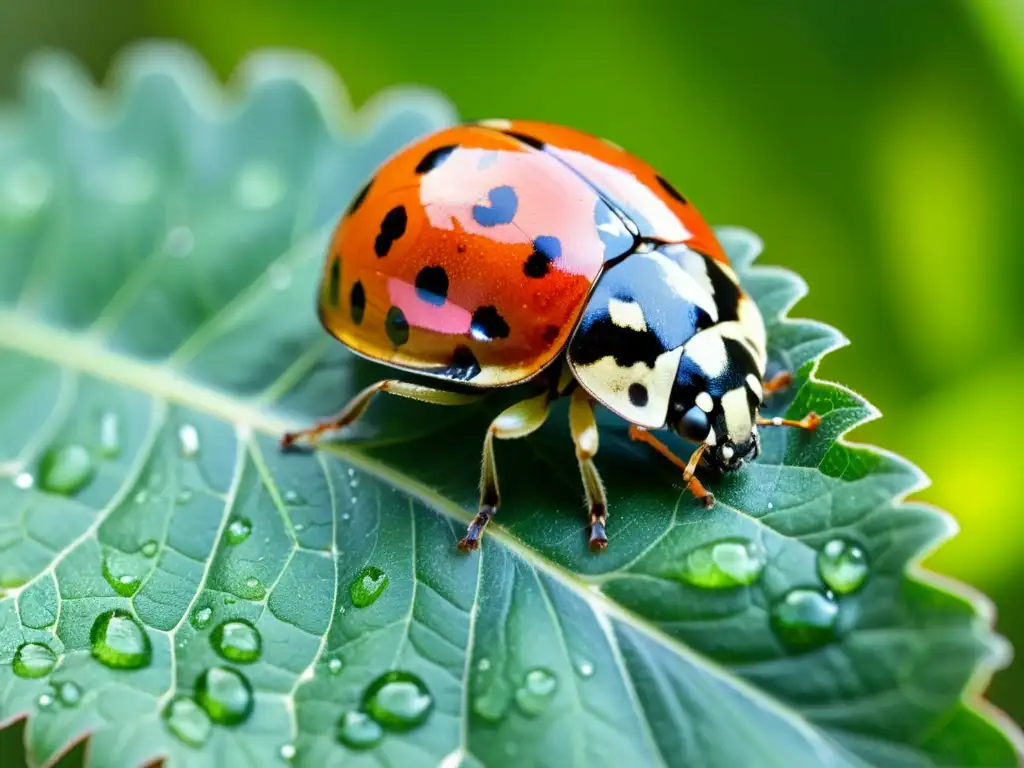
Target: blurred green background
x,y
876,146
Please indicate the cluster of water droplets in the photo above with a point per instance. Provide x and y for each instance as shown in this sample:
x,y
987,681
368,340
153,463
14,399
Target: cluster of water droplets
x,y
396,702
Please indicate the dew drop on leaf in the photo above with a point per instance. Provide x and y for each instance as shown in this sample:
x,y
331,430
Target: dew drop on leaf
x,y
187,721
33,660
293,498
537,691
238,530
184,497
200,617
69,694
368,586
585,668
287,752
805,619
237,640
116,571
66,470
483,665
118,641
492,705
149,548
110,435
398,701
722,564
357,730
252,589
188,440
225,694
335,665
24,480
46,701
842,565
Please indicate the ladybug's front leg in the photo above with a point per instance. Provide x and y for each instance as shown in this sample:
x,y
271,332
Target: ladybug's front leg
x,y
516,421
689,478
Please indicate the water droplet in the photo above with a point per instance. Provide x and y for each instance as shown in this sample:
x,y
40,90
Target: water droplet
x,y
805,618
287,752
252,589
368,586
188,439
537,691
46,700
69,694
842,565
200,617
225,694
770,506
179,242
725,563
33,660
585,668
26,189
398,701
347,516
237,641
187,721
24,481
110,435
280,276
357,730
299,527
238,530
117,573
119,641
483,665
492,705
66,470
141,497
184,497
259,186
335,665
352,501
293,498
354,482
149,548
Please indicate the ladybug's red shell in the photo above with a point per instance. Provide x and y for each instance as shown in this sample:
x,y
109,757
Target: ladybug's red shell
x,y
471,254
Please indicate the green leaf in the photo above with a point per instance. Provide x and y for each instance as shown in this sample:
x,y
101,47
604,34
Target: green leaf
x,y
178,587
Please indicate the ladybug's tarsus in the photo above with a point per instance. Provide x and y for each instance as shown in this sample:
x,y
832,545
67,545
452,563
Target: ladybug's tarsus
x,y
810,422
778,383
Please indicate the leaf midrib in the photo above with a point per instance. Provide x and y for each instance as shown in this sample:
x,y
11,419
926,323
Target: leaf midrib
x,y
85,355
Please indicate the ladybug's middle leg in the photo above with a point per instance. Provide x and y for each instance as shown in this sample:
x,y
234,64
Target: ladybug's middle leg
x,y
514,422
583,426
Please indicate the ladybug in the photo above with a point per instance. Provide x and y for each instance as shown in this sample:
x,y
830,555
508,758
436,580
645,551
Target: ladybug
x,y
495,253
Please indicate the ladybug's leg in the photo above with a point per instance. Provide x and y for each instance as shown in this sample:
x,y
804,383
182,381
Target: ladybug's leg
x,y
516,421
777,383
696,487
810,421
357,406
583,426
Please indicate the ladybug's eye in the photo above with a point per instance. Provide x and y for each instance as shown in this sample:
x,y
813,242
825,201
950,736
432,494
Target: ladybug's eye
x,y
694,425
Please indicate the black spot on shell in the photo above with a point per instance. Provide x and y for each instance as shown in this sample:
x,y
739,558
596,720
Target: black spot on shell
x,y
464,365
545,250
434,158
638,395
528,140
432,285
333,280
391,228
357,302
359,198
551,333
396,326
670,189
488,325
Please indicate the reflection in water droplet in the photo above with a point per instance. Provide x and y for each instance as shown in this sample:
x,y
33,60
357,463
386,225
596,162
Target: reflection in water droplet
x,y
237,641
398,701
805,619
188,439
69,694
110,435
66,470
149,548
252,589
24,481
537,691
225,694
187,721
118,641
45,701
259,186
585,668
179,242
287,752
368,586
238,530
200,617
26,189
33,660
357,730
116,571
722,564
335,665
842,565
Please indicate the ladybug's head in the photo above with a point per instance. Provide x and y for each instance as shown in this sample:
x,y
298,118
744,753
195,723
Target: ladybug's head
x,y
716,398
